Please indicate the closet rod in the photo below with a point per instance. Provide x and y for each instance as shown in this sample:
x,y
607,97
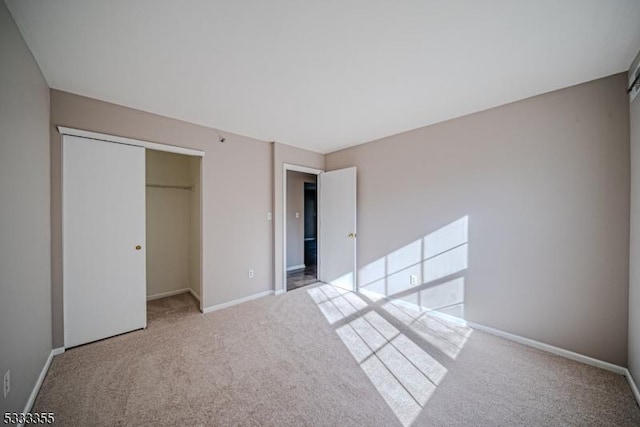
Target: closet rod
x,y
177,187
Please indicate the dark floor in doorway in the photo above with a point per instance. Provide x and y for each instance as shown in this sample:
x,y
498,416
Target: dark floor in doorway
x,y
303,277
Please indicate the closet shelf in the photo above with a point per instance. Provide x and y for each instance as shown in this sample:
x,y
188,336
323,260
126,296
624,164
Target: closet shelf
x,y
175,187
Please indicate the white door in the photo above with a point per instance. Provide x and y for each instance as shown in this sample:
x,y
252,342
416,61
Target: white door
x,y
338,228
104,269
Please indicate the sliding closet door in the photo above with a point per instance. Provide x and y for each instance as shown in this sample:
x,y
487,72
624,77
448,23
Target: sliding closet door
x,y
103,239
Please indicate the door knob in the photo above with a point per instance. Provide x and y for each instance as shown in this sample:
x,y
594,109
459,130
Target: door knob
x,y
138,247
352,235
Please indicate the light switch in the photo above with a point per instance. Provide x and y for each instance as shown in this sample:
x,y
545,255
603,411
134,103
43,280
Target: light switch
x,y
268,216
297,214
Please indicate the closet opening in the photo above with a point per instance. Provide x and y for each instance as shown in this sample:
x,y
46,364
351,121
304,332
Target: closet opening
x,y
173,231
301,229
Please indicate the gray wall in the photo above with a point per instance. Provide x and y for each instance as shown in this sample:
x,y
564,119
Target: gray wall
x,y
237,181
25,244
544,183
634,256
295,226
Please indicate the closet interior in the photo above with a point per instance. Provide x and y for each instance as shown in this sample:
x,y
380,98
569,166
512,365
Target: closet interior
x,y
173,223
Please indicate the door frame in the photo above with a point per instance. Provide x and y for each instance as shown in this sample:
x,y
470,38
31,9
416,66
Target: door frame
x,y
151,146
312,171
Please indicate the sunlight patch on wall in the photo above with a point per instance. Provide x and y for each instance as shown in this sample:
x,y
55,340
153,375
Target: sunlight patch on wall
x,y
447,237
445,264
411,273
371,279
447,297
404,257
345,281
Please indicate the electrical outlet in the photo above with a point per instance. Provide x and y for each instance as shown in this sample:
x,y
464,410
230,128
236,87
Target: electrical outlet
x,y
268,216
7,383
250,274
414,279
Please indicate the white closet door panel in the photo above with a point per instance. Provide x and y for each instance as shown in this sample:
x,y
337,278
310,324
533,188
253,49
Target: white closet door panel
x,y
103,222
338,228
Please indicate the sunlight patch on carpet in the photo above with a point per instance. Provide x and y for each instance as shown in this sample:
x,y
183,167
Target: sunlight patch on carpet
x,y
403,373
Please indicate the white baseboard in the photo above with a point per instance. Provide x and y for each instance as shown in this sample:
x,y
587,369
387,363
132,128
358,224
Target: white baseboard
x,y
551,349
236,301
296,267
39,381
632,384
587,360
168,294
194,294
279,292
526,341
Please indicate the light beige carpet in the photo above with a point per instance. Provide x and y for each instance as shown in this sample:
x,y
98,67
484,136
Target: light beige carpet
x,y
317,356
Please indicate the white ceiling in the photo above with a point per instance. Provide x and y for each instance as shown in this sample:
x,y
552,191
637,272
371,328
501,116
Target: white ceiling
x,y
327,74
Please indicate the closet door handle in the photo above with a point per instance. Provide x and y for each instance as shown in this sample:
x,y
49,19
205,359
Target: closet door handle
x,y
138,247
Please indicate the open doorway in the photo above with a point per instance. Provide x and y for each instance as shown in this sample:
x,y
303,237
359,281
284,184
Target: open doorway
x,y
335,228
301,229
